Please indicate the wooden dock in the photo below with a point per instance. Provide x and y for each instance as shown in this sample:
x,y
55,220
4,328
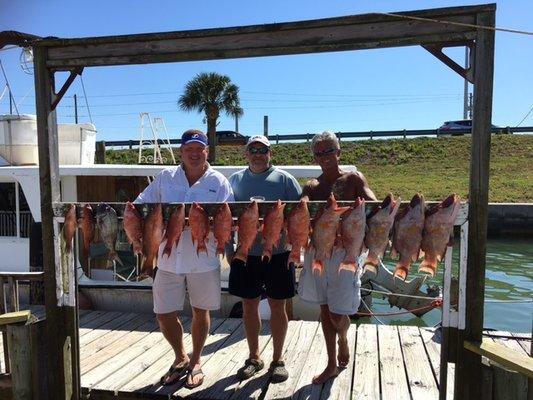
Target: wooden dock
x,y
123,355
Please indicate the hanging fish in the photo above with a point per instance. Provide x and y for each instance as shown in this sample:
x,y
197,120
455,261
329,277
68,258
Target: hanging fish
x,y
247,227
133,226
222,227
152,237
86,224
107,223
199,223
272,227
325,229
407,235
298,225
438,232
379,223
353,227
69,227
175,225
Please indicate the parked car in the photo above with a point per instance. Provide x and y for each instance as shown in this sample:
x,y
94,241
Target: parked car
x,y
451,126
231,137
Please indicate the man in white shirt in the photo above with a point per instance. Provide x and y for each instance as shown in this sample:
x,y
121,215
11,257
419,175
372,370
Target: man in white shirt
x,y
185,270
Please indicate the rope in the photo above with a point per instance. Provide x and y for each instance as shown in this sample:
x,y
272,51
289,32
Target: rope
x,y
438,21
437,303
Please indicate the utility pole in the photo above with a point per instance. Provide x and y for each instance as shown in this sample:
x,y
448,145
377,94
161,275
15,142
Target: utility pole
x,y
465,95
75,109
265,125
470,106
236,123
10,102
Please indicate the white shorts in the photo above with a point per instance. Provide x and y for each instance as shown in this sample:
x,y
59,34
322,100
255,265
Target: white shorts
x,y
338,288
169,290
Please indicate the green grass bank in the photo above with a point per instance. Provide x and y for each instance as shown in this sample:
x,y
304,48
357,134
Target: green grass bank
x,y
435,167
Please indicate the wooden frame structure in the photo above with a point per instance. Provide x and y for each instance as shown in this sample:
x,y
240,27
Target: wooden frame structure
x,y
432,29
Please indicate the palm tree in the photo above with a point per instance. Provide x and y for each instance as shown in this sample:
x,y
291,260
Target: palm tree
x,y
211,93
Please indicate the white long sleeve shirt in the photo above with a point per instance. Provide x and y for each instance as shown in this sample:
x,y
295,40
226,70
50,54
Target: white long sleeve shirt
x,y
171,186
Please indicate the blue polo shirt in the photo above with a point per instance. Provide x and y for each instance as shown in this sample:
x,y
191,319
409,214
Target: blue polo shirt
x,y
273,184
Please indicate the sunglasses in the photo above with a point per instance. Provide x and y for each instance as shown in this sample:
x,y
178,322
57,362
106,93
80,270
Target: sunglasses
x,y
325,152
258,150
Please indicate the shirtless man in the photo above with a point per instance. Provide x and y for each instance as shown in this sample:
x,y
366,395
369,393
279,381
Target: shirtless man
x,y
337,292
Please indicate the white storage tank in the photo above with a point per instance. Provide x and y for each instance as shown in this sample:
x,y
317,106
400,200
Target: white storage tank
x,y
18,141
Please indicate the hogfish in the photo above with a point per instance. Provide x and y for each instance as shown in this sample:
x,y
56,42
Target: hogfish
x,y
133,226
379,223
438,232
107,223
175,225
199,223
222,227
325,230
298,225
407,235
247,227
353,227
152,237
272,227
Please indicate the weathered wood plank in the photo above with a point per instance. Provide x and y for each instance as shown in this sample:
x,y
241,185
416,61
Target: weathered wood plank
x,y
394,384
508,340
112,336
14,317
340,388
102,322
296,360
139,364
332,34
366,381
89,363
213,345
422,381
18,338
107,327
149,378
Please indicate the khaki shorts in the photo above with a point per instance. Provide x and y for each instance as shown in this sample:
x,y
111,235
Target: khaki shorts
x,y
339,289
169,290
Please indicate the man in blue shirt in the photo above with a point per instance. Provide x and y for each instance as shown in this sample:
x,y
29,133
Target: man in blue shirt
x,y
250,280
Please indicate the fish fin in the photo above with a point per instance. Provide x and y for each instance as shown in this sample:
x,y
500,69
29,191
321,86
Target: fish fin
x,y
393,252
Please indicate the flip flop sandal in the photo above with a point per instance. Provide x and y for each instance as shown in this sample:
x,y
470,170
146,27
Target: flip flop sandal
x,y
175,371
192,373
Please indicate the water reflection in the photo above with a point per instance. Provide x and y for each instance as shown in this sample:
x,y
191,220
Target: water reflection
x,y
509,276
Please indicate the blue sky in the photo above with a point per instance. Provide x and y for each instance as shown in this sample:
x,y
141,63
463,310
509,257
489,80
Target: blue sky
x,y
396,88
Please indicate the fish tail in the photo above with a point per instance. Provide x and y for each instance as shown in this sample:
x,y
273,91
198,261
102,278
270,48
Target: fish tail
x,y
401,271
428,266
371,265
348,265
266,256
318,265
220,250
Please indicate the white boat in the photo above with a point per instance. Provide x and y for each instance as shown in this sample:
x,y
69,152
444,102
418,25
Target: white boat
x,y
87,182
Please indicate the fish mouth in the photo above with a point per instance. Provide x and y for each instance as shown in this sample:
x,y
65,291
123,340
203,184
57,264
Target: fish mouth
x,y
416,200
449,201
384,204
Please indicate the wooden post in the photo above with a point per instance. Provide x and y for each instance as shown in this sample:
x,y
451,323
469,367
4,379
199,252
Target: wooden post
x,y
468,368
100,152
20,359
62,332
36,263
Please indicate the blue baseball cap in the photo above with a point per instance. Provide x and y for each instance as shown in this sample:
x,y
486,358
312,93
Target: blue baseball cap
x,y
193,135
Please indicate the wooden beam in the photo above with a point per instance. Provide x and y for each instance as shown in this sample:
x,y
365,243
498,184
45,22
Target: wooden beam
x,y
332,34
508,358
14,317
468,367
62,332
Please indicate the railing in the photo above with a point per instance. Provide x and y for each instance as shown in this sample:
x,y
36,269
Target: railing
x,y
8,223
343,135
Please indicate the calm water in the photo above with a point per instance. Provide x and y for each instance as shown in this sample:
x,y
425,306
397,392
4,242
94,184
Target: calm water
x,y
509,276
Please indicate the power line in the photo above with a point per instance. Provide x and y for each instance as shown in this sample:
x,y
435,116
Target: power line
x,y
527,115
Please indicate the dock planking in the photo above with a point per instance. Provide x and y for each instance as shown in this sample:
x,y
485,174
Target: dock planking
x,y
123,356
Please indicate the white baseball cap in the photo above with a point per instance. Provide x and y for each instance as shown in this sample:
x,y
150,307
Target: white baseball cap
x,y
258,139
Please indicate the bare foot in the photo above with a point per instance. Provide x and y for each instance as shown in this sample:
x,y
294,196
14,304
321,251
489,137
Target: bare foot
x,y
344,353
326,375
